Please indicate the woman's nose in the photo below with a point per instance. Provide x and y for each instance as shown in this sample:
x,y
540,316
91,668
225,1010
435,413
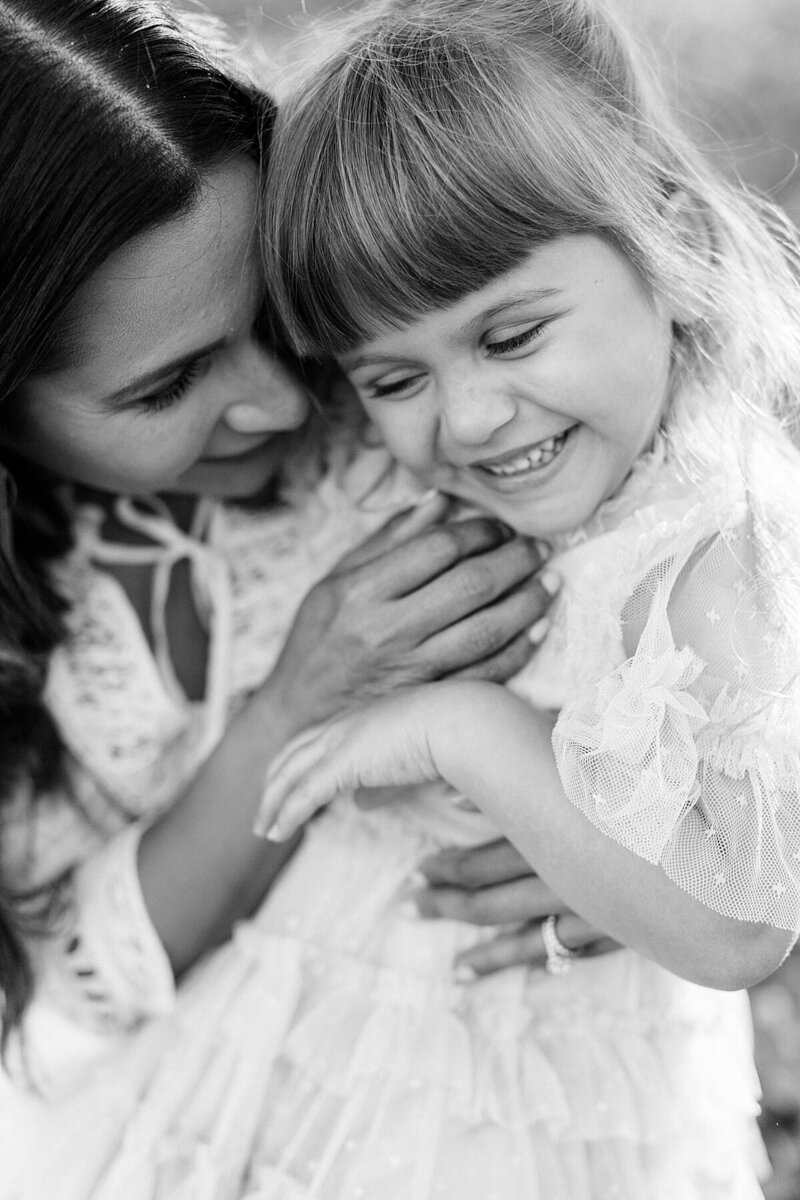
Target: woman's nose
x,y
246,417
265,394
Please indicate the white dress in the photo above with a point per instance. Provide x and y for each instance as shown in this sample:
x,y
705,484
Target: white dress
x,y
326,1052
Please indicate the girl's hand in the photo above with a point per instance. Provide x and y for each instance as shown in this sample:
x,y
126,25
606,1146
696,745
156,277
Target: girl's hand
x,y
418,601
494,885
384,745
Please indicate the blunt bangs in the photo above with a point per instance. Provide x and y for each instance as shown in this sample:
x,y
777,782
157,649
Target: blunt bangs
x,y
421,165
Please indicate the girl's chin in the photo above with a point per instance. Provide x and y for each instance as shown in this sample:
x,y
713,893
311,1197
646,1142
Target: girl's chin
x,y
535,517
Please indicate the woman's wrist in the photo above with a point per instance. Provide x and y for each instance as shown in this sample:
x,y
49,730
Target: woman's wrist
x,y
278,711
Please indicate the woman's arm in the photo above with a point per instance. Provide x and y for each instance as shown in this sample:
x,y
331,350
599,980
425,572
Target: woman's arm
x,y
495,749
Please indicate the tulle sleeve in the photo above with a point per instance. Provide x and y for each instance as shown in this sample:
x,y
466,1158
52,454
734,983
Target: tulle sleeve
x,y
688,754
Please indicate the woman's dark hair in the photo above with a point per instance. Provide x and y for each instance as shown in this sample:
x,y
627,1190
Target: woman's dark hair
x,y
111,115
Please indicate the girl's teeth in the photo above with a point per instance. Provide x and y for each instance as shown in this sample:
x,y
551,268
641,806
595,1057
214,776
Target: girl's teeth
x,y
541,454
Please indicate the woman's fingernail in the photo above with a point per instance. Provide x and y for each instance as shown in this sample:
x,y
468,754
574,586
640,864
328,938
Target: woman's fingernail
x,y
425,904
537,632
543,550
464,973
550,581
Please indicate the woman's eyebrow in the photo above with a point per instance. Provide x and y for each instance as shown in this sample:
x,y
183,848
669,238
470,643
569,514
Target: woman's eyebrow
x,y
143,383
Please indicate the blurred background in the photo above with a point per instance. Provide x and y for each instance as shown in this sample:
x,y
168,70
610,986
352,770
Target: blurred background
x,y
733,68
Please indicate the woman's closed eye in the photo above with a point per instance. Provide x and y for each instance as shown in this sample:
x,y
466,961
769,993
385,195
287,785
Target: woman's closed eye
x,y
163,399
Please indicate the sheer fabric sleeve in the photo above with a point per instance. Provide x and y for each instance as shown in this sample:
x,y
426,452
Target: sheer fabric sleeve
x,y
688,753
94,951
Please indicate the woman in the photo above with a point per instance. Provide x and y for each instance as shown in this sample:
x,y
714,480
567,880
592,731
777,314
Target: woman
x,y
158,652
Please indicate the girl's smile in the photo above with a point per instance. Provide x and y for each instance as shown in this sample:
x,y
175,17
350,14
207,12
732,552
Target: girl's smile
x,y
532,397
513,468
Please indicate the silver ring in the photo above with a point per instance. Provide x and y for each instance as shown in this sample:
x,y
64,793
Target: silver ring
x,y
558,956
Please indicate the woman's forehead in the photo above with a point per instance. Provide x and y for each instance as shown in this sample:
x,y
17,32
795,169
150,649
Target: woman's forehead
x,y
181,283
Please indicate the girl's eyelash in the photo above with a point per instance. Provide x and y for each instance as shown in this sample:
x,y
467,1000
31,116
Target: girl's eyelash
x,y
168,396
380,390
517,341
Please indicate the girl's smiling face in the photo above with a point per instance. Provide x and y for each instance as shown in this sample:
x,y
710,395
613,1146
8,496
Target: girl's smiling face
x,y
533,397
164,386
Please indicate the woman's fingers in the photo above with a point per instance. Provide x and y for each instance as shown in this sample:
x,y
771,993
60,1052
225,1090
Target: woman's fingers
x,y
479,577
497,640
477,866
504,904
525,947
493,884
398,529
408,566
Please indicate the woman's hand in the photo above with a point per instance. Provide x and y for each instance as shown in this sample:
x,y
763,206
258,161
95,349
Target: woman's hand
x,y
494,885
418,601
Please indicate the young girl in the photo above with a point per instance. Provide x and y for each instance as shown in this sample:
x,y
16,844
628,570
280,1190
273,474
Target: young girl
x,y
553,310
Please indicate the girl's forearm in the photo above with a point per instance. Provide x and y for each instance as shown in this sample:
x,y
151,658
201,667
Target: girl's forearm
x,y
497,751
201,868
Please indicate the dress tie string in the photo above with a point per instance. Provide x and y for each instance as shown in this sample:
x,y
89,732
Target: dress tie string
x,y
210,586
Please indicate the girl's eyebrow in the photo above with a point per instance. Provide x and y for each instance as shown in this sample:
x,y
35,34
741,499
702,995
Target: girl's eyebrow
x,y
528,296
465,331
150,379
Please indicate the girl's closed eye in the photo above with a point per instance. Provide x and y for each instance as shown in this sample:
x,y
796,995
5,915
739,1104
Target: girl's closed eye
x,y
516,341
392,385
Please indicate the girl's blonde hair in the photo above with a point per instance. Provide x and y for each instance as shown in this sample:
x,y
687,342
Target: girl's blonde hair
x,y
445,139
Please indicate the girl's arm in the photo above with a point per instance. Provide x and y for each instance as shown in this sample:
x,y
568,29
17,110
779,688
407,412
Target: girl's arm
x,y
495,749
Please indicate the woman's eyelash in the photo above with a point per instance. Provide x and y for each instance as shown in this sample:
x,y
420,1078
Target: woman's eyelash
x,y
162,400
517,341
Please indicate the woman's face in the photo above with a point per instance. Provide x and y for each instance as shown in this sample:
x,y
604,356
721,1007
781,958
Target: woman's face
x,y
164,387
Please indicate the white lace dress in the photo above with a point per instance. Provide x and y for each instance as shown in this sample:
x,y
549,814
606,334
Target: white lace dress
x,y
326,1052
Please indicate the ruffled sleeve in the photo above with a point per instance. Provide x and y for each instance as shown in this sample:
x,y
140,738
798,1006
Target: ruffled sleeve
x,y
688,754
103,963
96,955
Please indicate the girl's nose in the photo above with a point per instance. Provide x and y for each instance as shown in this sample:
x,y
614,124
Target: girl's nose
x,y
471,414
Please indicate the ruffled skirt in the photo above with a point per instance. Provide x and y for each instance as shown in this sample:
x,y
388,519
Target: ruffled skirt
x,y
326,1053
